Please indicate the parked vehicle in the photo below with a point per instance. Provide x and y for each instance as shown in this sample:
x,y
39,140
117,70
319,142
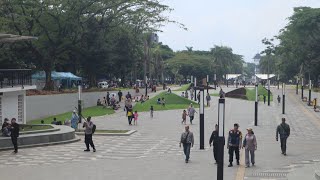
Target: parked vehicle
x,y
103,84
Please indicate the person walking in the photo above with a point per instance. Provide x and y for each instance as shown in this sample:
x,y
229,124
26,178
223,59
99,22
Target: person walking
x,y
14,128
250,146
234,144
264,99
187,141
135,116
186,94
284,130
279,99
108,98
88,125
191,112
128,96
184,117
198,97
130,116
214,141
120,95
208,98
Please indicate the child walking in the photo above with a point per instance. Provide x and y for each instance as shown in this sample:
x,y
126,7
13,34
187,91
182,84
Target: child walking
x,y
135,118
184,117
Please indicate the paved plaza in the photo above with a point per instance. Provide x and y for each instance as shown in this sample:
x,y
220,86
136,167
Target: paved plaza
x,y
153,151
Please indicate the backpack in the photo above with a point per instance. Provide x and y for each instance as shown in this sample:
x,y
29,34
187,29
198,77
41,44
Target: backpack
x,y
94,127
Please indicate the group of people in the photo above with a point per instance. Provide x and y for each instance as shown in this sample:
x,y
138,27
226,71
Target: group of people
x,y
235,142
11,129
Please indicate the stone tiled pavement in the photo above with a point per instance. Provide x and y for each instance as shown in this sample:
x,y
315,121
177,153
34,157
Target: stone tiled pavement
x,y
153,152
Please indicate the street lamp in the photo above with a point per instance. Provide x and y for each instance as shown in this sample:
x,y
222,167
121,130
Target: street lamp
x,y
269,93
297,85
207,83
310,87
256,107
215,81
283,98
221,139
79,103
195,89
201,118
146,83
278,81
302,88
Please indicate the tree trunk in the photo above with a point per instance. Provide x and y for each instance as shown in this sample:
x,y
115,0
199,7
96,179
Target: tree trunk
x,y
49,83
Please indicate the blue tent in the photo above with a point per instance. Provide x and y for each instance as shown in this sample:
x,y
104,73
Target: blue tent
x,y
62,76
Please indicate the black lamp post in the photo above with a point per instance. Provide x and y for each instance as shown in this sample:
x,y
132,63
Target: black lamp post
x,y
201,110
215,81
146,83
302,88
297,87
310,88
283,98
221,138
256,107
79,103
207,83
195,89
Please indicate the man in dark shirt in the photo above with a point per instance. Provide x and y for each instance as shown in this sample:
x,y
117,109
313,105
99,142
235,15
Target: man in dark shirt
x,y
214,140
284,130
14,134
234,144
120,95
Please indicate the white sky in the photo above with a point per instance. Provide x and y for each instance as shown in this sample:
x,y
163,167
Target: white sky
x,y
239,24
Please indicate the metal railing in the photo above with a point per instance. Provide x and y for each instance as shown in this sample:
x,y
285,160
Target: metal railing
x,y
10,78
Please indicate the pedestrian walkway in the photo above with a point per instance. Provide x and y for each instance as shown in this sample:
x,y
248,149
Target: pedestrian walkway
x,y
153,151
302,149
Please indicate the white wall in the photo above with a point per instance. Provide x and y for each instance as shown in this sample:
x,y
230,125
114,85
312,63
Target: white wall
x,y
10,105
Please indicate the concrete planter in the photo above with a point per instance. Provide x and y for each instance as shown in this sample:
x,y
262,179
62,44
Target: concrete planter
x,y
110,134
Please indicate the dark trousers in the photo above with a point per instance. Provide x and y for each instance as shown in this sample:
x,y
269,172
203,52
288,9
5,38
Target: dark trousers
x,y
283,142
191,119
215,152
88,141
119,98
236,150
14,140
129,119
186,150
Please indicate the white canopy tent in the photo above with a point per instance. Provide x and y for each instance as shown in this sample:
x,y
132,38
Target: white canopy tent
x,y
232,76
265,76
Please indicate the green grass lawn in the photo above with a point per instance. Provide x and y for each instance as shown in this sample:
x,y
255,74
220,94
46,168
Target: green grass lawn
x,y
28,128
183,88
173,101
91,111
215,94
251,94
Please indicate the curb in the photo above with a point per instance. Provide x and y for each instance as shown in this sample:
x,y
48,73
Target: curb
x,y
317,175
40,131
76,139
110,134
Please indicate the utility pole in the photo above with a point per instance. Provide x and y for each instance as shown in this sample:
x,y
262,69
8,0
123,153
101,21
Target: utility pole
x,y
283,98
201,118
221,138
256,107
